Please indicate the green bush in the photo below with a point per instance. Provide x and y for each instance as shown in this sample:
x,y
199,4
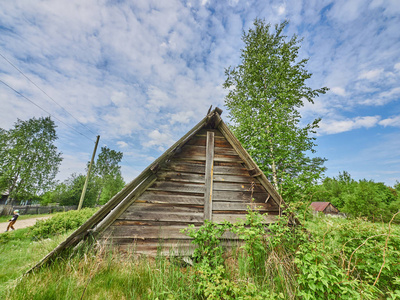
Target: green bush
x,y
61,223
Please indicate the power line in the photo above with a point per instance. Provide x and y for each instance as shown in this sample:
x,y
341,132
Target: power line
x,y
15,67
31,101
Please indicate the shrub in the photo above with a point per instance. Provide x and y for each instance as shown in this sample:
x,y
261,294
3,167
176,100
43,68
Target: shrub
x,y
61,223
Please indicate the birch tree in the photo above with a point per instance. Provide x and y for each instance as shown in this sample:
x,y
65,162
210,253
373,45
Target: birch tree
x,y
265,92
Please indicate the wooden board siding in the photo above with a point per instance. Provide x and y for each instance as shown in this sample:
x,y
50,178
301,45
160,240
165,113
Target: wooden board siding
x,y
169,194
177,198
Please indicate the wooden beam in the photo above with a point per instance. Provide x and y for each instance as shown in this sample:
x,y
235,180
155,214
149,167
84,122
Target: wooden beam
x,y
209,176
123,205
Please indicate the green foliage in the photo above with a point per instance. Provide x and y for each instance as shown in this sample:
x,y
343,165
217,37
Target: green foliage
x,y
266,91
208,240
362,198
108,174
29,159
61,223
69,192
104,182
213,281
320,277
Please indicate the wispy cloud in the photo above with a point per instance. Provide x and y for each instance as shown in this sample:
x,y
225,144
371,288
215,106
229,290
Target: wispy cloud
x,y
338,126
142,73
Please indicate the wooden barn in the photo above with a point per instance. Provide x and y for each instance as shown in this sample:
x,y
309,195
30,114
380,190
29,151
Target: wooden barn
x,y
324,207
206,175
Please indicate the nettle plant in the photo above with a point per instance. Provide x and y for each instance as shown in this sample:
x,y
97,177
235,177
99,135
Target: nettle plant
x,y
214,280
284,261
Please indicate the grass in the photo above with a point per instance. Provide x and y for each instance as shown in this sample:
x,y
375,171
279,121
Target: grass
x,y
18,253
106,274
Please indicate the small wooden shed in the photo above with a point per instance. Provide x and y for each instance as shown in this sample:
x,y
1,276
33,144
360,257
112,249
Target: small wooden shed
x,y
206,175
324,207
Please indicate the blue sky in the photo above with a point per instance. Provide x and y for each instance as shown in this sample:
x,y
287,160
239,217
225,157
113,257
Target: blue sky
x,y
142,73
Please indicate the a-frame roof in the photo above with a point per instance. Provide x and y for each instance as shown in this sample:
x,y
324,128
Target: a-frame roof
x,y
105,216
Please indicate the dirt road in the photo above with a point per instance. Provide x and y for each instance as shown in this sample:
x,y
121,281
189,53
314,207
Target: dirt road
x,y
22,223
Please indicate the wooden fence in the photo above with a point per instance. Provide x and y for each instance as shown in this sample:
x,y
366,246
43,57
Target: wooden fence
x,y
33,209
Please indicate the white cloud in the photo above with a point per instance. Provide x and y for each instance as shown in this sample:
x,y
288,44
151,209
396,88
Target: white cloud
x,y
338,126
159,140
182,117
393,121
122,144
371,75
338,91
127,69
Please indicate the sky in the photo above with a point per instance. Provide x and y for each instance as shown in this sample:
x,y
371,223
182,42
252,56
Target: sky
x,y
142,73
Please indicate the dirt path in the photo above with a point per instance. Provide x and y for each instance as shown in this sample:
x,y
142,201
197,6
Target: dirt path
x,y
21,223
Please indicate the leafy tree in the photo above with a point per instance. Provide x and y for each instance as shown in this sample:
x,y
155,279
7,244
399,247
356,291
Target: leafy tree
x,y
335,189
266,91
69,192
108,173
29,160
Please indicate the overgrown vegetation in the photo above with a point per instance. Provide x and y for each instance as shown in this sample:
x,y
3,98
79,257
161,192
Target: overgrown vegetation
x,y
327,258
363,198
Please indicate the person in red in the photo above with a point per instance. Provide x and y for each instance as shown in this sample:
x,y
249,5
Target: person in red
x,y
13,220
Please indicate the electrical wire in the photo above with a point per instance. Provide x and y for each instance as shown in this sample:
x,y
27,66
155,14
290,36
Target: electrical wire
x,y
37,105
15,67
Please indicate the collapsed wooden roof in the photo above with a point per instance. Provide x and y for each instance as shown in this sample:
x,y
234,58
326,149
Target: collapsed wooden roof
x,y
207,174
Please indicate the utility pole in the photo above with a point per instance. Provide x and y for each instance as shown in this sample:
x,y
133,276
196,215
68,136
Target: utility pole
x,y
88,174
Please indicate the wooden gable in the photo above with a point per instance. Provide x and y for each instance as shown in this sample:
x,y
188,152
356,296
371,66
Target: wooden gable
x,y
179,196
207,174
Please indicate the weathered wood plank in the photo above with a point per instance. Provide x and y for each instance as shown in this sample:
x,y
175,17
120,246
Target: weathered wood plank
x,y
191,150
165,208
227,158
163,197
209,176
231,169
225,151
242,187
234,178
219,142
186,167
145,232
154,223
180,177
199,168
242,206
177,187
239,196
120,208
160,216
184,248
203,132
250,164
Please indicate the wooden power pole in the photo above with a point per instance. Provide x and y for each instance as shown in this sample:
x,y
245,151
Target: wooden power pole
x,y
88,174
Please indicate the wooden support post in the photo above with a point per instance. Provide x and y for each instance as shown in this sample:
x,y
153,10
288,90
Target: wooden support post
x,y
88,174
209,176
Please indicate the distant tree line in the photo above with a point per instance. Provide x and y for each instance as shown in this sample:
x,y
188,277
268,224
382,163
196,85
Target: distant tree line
x,y
105,181
363,198
29,163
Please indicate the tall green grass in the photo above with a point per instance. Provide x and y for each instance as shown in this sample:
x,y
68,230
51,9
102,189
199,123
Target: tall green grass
x,y
346,258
